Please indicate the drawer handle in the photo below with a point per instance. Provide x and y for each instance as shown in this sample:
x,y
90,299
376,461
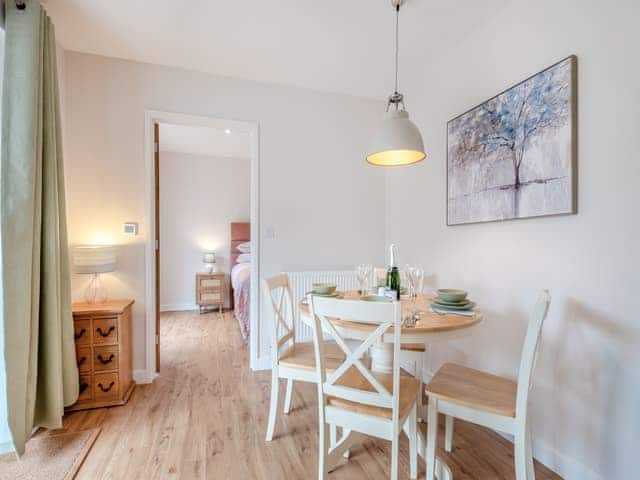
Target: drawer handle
x,y
108,360
81,360
83,387
78,335
108,388
107,333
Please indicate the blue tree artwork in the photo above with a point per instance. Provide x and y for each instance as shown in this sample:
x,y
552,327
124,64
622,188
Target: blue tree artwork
x,y
514,155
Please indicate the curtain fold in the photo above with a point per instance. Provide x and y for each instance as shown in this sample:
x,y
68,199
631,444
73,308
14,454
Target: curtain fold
x,y
41,371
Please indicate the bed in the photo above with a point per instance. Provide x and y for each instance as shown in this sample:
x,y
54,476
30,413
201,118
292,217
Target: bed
x,y
240,276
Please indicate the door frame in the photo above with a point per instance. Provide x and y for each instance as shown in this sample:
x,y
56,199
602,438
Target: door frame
x,y
252,128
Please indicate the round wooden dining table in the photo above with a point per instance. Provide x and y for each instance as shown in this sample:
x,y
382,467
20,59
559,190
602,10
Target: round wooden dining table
x,y
430,328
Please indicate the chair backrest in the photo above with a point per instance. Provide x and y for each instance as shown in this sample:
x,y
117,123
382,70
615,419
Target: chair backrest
x,y
277,291
383,316
530,352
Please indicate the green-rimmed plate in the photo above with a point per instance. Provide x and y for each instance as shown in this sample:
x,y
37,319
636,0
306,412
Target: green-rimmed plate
x,y
440,306
445,303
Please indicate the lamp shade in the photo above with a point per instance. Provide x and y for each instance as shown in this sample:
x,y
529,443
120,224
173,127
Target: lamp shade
x,y
94,259
397,141
208,257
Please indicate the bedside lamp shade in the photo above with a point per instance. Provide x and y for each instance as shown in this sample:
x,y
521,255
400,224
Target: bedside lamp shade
x,y
208,257
94,259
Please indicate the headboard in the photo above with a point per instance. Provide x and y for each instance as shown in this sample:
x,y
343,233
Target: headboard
x,y
240,233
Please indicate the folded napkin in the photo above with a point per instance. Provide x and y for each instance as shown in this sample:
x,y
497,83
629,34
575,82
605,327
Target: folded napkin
x,y
464,313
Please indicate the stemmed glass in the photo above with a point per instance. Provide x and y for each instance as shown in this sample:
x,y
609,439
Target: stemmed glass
x,y
408,273
417,280
363,273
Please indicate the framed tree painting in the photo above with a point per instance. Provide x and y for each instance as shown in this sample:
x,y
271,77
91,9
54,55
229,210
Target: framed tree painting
x,y
514,156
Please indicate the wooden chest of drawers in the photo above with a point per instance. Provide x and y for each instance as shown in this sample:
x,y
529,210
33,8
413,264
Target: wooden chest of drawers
x,y
210,290
103,351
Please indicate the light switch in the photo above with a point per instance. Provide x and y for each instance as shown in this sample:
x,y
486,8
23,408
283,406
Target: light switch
x,y
130,228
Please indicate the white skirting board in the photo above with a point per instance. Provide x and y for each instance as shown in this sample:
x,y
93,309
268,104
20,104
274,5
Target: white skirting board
x,y
143,376
178,307
262,363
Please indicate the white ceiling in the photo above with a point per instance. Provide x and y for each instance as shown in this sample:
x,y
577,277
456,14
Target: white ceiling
x,y
339,46
204,141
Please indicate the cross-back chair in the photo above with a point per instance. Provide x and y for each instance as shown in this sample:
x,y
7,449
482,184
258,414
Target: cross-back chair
x,y
354,397
290,360
489,400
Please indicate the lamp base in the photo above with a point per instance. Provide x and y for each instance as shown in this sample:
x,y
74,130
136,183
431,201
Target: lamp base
x,y
95,292
210,268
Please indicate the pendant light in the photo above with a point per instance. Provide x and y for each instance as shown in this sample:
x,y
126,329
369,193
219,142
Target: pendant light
x,y
398,141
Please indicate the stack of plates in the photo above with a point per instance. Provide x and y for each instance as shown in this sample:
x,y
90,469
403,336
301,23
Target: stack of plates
x,y
332,294
452,301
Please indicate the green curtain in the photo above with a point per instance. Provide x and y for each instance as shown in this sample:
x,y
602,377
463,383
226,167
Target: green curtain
x,y
41,371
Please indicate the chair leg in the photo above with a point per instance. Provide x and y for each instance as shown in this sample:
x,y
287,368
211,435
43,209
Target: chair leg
x,y
529,449
520,454
323,444
346,433
333,437
413,442
395,445
432,438
448,432
287,396
273,408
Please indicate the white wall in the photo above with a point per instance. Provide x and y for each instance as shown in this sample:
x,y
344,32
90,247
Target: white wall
x,y
199,197
586,391
316,190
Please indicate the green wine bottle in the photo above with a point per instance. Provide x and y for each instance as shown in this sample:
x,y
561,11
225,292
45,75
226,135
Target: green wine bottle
x,y
393,275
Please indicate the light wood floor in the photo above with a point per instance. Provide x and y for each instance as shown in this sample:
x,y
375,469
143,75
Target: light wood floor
x,y
205,417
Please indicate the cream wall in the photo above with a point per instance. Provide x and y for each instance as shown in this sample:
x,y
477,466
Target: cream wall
x,y
199,197
586,390
314,182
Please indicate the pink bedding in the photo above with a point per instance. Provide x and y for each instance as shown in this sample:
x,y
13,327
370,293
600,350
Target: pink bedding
x,y
240,280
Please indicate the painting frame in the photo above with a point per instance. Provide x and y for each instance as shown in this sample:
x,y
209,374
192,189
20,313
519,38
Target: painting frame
x,y
573,151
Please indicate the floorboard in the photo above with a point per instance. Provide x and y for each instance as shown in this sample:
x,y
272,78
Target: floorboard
x,y
205,418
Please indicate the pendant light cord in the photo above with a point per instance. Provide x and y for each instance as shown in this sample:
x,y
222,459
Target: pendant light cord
x,y
397,16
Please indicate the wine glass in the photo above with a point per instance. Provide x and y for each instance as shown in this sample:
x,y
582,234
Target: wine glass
x,y
408,273
417,281
368,271
361,277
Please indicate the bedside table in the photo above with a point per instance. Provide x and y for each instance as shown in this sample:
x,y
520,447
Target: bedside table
x,y
210,290
103,352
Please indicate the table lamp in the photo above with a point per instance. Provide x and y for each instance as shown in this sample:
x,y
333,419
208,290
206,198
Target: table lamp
x,y
209,259
94,260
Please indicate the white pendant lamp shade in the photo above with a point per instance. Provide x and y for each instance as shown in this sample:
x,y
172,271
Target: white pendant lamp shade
x,y
397,141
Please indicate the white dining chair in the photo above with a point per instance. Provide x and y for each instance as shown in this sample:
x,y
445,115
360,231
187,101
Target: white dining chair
x,y
290,360
489,400
355,398
413,353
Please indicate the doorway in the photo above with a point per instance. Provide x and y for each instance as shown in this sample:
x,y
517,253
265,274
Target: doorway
x,y
187,133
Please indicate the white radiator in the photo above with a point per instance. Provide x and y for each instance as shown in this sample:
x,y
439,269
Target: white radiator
x,y
301,283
